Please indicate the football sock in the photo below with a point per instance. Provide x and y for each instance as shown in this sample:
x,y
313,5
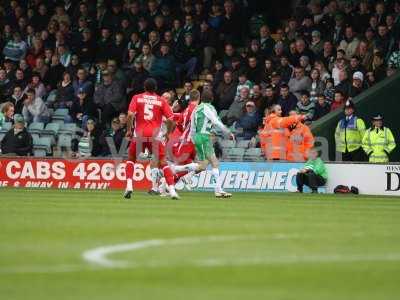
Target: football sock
x,y
129,169
188,167
218,180
154,179
168,175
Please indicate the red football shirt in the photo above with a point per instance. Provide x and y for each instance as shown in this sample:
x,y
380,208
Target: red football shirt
x,y
186,120
149,110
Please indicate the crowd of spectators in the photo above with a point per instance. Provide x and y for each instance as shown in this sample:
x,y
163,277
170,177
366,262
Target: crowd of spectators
x,y
92,56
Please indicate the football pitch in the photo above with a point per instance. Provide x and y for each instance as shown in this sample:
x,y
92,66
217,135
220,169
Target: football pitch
x,y
85,245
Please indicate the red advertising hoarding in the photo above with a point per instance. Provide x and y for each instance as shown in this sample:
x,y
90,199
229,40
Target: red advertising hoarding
x,y
70,174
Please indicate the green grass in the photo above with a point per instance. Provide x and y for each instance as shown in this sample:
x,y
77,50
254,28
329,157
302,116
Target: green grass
x,y
277,246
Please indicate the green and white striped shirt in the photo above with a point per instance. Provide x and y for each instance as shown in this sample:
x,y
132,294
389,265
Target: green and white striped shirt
x,y
204,119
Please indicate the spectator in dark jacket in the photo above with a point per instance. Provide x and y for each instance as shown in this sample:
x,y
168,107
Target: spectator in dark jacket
x,y
248,123
226,92
17,99
112,138
55,73
82,82
83,108
254,72
285,69
358,85
322,107
17,140
266,41
163,67
5,85
110,97
208,41
137,77
65,92
287,100
259,100
186,57
87,47
104,45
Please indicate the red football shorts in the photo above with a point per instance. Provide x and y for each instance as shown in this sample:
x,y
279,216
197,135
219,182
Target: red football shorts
x,y
183,153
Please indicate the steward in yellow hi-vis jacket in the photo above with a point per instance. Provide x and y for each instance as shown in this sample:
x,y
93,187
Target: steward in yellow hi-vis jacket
x,y
378,141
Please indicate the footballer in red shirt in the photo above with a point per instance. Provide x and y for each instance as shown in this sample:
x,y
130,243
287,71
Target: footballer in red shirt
x,y
183,150
147,111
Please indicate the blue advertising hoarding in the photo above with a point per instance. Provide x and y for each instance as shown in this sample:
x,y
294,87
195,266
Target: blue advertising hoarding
x,y
251,177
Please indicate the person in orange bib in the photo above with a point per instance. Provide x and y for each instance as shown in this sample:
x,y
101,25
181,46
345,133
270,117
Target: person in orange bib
x,y
300,141
274,136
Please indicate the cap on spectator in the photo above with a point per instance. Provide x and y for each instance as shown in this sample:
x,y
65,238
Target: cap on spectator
x,y
349,104
316,33
81,91
358,75
378,117
19,119
86,30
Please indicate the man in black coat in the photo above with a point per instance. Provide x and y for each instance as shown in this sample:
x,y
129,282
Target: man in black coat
x,y
17,140
137,77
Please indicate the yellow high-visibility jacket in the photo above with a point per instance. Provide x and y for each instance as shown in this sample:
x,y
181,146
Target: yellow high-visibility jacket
x,y
378,143
349,134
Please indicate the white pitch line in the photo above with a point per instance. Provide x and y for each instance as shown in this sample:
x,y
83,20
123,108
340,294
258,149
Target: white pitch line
x,y
98,256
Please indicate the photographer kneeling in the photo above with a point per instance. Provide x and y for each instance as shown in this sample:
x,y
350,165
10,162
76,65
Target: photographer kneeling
x,y
313,174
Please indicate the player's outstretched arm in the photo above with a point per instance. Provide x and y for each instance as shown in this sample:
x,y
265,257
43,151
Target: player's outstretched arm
x,y
212,115
129,124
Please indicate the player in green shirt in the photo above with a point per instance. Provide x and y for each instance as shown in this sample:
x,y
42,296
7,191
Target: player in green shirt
x,y
314,173
203,122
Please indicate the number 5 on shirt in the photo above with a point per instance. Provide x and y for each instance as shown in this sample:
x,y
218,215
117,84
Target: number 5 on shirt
x,y
148,111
